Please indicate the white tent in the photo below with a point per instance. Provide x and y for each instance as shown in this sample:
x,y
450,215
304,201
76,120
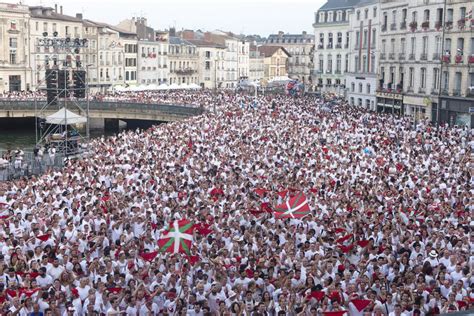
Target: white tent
x,y
119,88
163,86
183,86
65,117
173,86
194,86
152,87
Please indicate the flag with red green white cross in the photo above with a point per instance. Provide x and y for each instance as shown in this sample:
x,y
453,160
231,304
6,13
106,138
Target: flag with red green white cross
x,y
178,238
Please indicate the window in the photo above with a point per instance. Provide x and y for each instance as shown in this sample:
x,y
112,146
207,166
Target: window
x,y
368,88
435,78
374,37
338,63
45,26
449,15
445,84
339,38
392,46
384,48
414,16
37,26
360,87
208,54
426,15
460,46
347,39
375,12
438,44
404,15
356,63
447,46
462,13
321,62
357,39
403,44
321,17
394,16
330,40
364,63
372,63
366,14
54,27
457,82
346,66
330,63
413,45
13,56
321,40
365,38
423,78
13,42
353,87
425,44
411,77
358,15
330,16
208,65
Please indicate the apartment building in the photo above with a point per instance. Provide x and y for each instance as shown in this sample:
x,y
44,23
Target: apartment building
x,y
15,70
332,39
275,61
256,64
210,64
301,48
363,54
417,71
183,61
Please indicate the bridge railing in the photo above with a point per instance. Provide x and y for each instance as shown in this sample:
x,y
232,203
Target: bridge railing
x,y
29,164
184,110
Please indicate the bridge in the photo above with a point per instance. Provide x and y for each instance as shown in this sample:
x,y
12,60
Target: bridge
x,y
106,110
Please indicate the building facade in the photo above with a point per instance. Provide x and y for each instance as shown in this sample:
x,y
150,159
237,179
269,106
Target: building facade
x,y
417,70
361,79
210,64
275,60
162,38
301,48
256,64
15,70
332,40
183,61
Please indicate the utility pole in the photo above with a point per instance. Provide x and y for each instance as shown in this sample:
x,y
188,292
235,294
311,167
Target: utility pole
x,y
443,24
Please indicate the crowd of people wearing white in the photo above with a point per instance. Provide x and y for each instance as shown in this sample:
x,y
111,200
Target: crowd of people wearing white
x,y
390,221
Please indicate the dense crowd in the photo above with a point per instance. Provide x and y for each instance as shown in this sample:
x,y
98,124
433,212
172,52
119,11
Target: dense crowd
x,y
194,98
389,231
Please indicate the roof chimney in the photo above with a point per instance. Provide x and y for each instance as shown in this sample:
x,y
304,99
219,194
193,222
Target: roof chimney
x,y
79,16
60,9
56,7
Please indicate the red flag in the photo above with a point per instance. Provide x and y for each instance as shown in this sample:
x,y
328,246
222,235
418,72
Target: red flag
x,y
11,293
361,304
260,191
343,239
114,290
43,237
29,293
203,229
265,207
296,207
335,313
179,237
346,249
283,194
461,304
193,260
318,295
149,256
339,230
363,243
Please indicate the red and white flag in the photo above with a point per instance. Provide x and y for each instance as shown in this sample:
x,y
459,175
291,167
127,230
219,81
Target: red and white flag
x,y
295,207
179,237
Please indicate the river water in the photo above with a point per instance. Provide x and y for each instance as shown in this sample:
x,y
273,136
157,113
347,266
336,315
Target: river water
x,y
25,138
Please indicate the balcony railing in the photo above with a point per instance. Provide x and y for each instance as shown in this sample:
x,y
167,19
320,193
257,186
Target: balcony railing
x,y
470,60
458,59
424,57
401,56
449,25
382,56
413,26
434,91
393,27
446,59
425,25
321,46
329,46
391,56
411,57
470,92
456,92
338,45
436,56
438,25
461,23
403,25
421,90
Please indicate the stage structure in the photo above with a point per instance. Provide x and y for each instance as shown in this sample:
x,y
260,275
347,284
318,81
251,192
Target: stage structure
x,y
60,120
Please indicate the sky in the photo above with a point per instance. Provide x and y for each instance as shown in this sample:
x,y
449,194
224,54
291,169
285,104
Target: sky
x,y
262,17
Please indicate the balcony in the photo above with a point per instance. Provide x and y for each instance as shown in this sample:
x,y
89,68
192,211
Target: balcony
x,y
401,56
185,71
435,56
338,45
382,56
444,91
446,59
458,59
329,46
321,46
425,25
461,24
470,92
384,28
434,91
438,25
424,57
470,59
391,56
422,90
337,72
449,25
413,26
393,27
411,57
403,25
